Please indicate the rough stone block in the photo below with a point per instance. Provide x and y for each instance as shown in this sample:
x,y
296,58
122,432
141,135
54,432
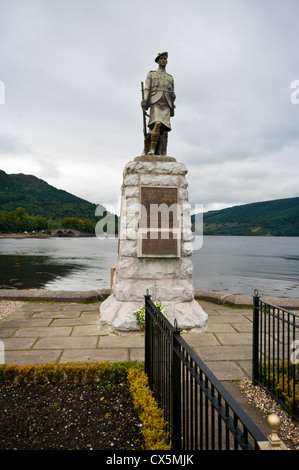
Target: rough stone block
x,y
183,182
127,248
171,168
186,268
158,268
131,180
119,315
187,314
126,267
187,249
131,289
174,290
131,191
160,180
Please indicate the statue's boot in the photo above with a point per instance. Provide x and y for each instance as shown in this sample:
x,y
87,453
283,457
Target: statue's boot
x,y
154,140
162,143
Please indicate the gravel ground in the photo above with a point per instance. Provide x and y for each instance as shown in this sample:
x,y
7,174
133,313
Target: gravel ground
x,y
289,429
9,306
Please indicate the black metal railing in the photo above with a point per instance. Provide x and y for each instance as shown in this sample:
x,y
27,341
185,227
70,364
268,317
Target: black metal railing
x,y
274,358
200,412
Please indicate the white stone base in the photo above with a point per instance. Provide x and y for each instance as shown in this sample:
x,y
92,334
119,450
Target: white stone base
x,y
168,276
119,315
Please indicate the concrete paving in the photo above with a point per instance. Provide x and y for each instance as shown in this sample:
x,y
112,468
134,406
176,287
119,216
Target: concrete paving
x,y
62,331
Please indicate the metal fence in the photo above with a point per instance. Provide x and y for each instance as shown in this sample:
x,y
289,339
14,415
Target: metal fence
x,y
200,412
275,361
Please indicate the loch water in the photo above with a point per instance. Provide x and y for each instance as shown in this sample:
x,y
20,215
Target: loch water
x,y
224,263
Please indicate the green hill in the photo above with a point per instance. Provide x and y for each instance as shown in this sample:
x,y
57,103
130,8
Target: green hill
x,y
39,199
273,218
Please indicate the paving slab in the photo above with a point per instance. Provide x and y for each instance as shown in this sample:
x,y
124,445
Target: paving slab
x,y
44,331
229,319
121,341
23,323
224,353
200,339
88,330
136,354
15,344
56,314
66,342
234,338
32,357
7,331
242,327
220,328
226,370
94,355
63,331
71,321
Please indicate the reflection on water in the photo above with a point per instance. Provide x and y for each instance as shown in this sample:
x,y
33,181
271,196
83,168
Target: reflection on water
x,y
56,263
232,264
31,272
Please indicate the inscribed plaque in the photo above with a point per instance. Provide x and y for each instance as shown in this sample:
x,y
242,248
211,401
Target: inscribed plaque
x,y
159,224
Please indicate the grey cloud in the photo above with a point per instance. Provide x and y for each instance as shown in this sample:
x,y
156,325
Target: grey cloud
x,y
12,145
72,72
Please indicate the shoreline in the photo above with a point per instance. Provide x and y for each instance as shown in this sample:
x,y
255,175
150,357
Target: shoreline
x,y
25,235
220,298
39,235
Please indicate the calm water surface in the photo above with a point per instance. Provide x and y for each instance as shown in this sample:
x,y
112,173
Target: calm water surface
x,y
232,264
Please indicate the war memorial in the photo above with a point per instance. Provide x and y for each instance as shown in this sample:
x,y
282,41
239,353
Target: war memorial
x,y
155,238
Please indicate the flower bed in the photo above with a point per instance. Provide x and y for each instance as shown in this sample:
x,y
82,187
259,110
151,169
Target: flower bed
x,y
98,405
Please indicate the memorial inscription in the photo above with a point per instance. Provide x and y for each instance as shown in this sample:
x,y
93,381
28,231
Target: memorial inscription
x,y
159,224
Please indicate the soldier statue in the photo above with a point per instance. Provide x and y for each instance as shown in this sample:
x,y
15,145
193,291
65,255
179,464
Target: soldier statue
x,y
159,96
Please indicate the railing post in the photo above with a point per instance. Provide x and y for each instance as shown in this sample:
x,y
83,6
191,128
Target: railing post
x,y
147,350
176,391
255,338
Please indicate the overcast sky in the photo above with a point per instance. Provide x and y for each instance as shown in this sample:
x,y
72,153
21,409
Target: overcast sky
x,y
71,70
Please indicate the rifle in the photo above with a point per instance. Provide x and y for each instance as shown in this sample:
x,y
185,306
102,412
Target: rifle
x,y
144,113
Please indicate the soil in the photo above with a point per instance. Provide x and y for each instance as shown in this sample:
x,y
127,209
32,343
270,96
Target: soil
x,y
68,417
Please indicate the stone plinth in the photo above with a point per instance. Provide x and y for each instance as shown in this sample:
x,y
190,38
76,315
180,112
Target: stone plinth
x,y
155,252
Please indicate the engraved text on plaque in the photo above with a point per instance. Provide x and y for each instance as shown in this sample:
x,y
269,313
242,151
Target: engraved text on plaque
x,y
159,225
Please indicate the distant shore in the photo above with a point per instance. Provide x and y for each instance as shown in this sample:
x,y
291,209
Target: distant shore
x,y
40,235
25,235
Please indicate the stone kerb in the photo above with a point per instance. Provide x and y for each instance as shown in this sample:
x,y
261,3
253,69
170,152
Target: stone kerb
x,y
168,279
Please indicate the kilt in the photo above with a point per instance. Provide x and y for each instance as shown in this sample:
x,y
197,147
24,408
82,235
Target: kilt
x,y
160,112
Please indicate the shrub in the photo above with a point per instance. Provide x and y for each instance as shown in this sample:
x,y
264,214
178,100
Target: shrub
x,y
69,372
283,386
150,415
140,314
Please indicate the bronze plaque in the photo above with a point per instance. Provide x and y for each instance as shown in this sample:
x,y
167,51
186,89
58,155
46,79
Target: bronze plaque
x,y
159,221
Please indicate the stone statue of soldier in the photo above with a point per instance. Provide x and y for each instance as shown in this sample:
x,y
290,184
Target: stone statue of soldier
x,y
159,96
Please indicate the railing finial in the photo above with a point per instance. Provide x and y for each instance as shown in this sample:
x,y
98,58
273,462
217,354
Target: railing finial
x,y
274,442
